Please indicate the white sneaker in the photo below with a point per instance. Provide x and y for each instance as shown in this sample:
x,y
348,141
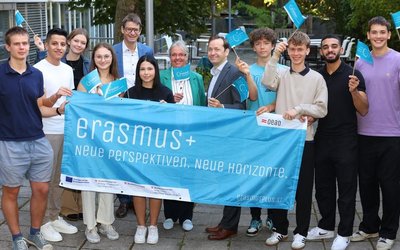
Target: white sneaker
x,y
152,238
275,238
340,243
109,231
140,235
64,227
384,244
360,236
92,236
318,233
168,224
187,225
49,233
299,241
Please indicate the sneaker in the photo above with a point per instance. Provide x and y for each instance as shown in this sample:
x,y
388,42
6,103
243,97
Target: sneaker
x,y
64,227
254,228
37,240
187,225
275,238
49,233
140,235
360,236
340,243
19,244
270,224
92,236
299,241
318,233
384,244
109,231
168,224
152,238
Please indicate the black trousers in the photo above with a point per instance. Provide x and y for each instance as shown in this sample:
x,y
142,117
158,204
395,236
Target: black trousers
x,y
255,213
303,197
336,159
230,218
380,168
178,210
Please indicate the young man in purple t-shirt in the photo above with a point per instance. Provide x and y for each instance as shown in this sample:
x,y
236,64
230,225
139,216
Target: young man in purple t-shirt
x,y
379,139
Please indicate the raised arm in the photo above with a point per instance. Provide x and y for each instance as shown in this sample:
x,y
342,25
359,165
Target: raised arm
x,y
271,78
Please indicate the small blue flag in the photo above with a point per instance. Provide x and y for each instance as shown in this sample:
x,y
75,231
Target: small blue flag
x,y
396,19
181,73
241,85
114,88
294,13
237,37
19,19
363,52
91,80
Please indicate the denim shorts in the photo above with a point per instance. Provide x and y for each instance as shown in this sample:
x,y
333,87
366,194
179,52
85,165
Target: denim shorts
x,y
25,159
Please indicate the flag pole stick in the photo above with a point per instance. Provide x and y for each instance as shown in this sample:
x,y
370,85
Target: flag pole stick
x,y
233,48
30,27
225,89
354,65
397,31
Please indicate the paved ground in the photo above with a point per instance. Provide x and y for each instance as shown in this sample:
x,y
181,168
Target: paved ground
x,y
204,215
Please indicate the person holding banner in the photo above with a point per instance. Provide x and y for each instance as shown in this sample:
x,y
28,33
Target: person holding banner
x,y
336,150
105,61
221,94
262,41
187,91
301,92
24,150
78,41
148,87
379,139
59,80
128,53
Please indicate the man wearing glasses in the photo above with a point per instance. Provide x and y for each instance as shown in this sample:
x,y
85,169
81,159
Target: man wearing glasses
x,y
130,50
128,53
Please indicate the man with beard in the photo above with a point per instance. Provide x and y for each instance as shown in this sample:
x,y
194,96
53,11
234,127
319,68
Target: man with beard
x,y
336,151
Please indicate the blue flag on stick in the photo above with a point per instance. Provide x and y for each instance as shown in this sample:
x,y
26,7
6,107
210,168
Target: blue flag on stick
x,y
363,52
114,88
19,19
236,37
241,85
294,13
91,80
181,73
396,19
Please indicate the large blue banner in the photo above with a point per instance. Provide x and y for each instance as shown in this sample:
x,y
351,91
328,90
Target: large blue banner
x,y
188,153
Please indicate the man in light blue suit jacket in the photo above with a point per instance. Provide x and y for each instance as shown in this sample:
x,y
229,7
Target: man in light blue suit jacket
x,y
128,53
130,50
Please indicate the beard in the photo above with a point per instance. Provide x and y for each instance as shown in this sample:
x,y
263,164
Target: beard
x,y
331,60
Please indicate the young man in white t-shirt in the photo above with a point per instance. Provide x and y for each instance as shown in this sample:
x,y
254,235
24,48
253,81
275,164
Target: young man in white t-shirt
x,y
58,78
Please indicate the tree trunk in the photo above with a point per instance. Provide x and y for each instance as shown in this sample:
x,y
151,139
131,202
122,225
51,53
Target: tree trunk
x,y
124,7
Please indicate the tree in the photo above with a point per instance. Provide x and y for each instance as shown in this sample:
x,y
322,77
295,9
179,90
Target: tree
x,y
170,16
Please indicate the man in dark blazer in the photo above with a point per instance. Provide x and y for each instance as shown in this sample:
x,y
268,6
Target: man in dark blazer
x,y
222,94
128,53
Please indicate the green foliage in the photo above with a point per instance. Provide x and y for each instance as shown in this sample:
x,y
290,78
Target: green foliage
x,y
169,16
262,16
105,9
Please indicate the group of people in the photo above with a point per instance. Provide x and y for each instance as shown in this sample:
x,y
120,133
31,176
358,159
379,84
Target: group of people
x,y
348,134
353,133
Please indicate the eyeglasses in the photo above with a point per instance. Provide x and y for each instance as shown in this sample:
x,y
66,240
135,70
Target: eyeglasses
x,y
130,30
100,57
178,55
